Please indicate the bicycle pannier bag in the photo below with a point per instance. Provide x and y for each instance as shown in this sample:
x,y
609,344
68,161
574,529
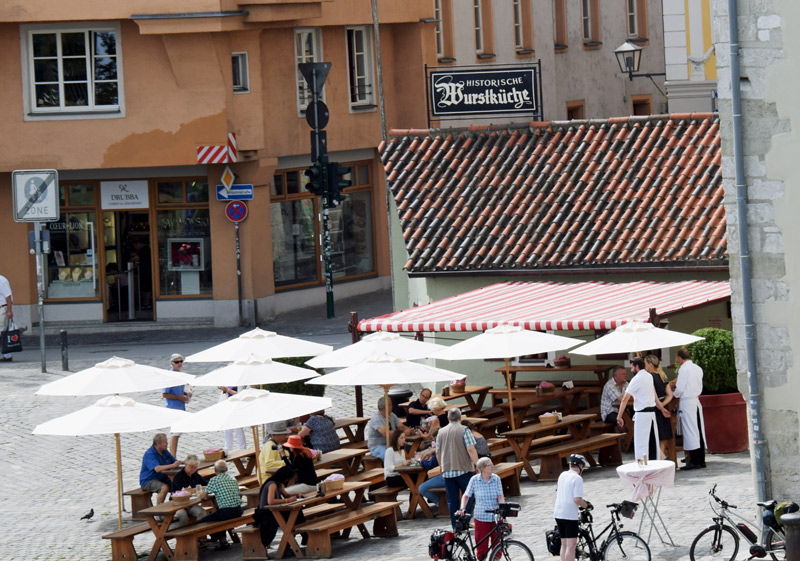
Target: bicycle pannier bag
x,y
553,539
440,544
628,509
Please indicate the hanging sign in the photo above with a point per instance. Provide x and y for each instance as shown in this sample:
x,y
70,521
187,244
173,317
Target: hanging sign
x,y
490,91
123,195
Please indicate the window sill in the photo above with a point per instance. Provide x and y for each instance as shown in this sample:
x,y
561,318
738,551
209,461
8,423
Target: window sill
x,y
639,41
561,48
486,56
592,45
73,115
446,60
359,108
241,90
525,52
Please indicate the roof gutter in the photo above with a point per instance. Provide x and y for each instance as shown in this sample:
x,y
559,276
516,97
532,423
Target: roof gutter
x,y
759,442
582,271
188,15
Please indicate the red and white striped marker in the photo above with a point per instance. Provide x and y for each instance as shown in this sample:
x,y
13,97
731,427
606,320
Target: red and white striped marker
x,y
213,154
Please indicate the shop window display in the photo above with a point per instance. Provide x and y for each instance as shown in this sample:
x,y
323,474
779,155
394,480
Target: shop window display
x,y
184,252
71,267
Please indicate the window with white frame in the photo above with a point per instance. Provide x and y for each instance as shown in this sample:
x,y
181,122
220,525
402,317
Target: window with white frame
x,y
586,19
71,70
519,40
477,8
359,66
439,29
307,48
633,18
241,72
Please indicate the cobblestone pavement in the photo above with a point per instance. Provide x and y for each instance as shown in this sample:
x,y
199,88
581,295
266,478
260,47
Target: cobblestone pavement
x,y
53,481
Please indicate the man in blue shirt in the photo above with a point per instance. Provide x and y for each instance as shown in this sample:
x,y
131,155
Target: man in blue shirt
x,y
176,397
154,463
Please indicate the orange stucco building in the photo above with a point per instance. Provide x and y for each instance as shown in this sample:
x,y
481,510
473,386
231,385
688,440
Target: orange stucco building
x,y
119,97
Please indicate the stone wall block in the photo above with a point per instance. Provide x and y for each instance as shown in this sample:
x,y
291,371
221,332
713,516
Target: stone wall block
x,y
768,266
773,338
773,243
761,189
760,214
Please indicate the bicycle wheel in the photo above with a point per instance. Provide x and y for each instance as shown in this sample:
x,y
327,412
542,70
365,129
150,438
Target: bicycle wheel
x,y
715,542
626,546
459,551
582,549
510,549
776,545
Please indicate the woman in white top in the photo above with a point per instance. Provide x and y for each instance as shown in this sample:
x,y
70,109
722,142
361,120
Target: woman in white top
x,y
395,456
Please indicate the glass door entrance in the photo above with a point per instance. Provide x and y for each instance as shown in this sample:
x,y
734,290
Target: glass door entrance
x,y
129,266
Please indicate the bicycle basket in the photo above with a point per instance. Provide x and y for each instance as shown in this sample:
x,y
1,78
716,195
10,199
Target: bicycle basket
x,y
628,509
509,510
462,522
553,539
440,544
586,516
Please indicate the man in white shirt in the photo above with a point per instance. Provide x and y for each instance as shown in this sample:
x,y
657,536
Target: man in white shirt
x,y
6,309
569,496
688,387
645,401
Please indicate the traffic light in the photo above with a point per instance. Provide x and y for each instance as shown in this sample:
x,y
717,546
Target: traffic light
x,y
316,180
336,181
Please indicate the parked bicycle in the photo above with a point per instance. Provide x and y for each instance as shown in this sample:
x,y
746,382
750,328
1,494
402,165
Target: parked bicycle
x,y
721,540
617,546
459,546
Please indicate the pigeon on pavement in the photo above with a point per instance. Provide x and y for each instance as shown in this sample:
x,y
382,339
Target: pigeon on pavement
x,y
88,515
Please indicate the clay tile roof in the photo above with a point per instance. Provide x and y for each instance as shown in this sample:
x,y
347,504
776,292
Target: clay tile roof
x,y
613,193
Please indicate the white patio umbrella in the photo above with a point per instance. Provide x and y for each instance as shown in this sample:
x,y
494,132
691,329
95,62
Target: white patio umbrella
x,y
254,370
249,408
112,415
375,344
260,343
386,370
635,336
506,341
115,375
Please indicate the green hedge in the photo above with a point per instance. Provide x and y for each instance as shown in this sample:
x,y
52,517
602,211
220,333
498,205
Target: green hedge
x,y
300,387
716,357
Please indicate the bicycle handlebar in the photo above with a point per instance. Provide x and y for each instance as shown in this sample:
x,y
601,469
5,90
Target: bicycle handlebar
x,y
722,502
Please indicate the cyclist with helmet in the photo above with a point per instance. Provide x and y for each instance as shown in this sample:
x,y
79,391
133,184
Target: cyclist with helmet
x,y
569,496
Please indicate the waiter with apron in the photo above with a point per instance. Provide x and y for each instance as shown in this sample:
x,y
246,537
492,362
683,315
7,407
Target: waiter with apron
x,y
643,391
688,387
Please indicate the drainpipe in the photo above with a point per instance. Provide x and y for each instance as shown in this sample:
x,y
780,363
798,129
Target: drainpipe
x,y
759,443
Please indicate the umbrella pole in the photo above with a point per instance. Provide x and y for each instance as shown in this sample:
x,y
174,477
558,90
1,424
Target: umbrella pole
x,y
386,411
119,482
510,404
255,439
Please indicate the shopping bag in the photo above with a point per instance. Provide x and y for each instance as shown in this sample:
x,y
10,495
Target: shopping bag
x,y
12,339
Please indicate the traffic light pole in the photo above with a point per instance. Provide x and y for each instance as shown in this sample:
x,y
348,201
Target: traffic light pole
x,y
322,160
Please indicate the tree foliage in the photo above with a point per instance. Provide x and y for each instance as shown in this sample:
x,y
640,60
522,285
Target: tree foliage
x,y
300,387
716,357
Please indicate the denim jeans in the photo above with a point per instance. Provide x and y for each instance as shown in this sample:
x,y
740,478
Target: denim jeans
x,y
432,483
453,485
378,451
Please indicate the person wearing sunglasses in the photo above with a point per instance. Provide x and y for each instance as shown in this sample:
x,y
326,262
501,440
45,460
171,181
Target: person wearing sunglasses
x,y
176,397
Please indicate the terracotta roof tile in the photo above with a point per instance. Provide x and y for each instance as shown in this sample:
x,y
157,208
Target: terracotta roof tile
x,y
618,192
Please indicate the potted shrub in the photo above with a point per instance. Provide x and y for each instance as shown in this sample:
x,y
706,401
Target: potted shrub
x,y
724,409
300,387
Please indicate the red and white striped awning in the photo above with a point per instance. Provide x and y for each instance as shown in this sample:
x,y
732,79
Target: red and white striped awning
x,y
552,306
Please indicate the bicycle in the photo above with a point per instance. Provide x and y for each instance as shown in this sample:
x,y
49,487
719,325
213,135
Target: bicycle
x,y
721,541
618,545
460,546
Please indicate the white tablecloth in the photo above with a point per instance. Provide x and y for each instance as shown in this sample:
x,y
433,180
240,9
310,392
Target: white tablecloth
x,y
644,478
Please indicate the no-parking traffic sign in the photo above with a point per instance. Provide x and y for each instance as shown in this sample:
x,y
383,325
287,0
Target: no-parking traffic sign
x,y
236,211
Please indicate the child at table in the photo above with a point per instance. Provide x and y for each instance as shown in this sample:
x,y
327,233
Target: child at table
x,y
395,456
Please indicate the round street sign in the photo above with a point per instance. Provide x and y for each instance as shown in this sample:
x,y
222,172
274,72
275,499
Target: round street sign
x,y
236,211
319,118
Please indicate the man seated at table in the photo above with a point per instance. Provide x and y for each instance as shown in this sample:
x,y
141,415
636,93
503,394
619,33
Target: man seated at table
x,y
376,428
155,462
271,458
418,409
226,494
613,391
188,479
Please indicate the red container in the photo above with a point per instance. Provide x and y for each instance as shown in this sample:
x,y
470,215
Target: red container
x,y
725,417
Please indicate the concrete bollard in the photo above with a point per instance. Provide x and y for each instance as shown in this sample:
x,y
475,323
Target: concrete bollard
x,y
64,351
791,522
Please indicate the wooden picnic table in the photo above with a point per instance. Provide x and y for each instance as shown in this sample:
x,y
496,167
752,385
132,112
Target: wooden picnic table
x,y
474,396
287,514
167,510
353,427
414,476
601,370
348,459
527,398
522,439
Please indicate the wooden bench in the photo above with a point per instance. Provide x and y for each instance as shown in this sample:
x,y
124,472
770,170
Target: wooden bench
x,y
509,472
122,541
374,476
599,427
362,444
500,454
370,462
319,530
552,457
186,538
140,499
384,494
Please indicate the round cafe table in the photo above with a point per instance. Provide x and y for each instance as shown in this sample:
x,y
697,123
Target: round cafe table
x,y
647,481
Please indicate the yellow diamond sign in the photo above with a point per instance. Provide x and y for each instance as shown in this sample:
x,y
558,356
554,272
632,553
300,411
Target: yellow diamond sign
x,y
227,178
